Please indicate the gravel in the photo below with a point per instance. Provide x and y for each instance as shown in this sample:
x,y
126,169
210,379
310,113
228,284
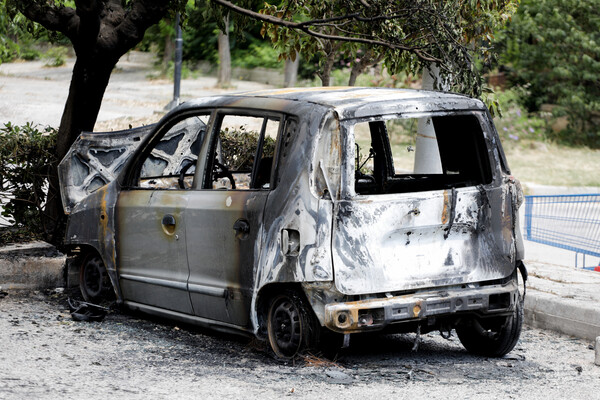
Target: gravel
x,y
45,355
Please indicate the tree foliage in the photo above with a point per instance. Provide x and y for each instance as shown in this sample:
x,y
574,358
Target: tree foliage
x,y
406,34
101,31
552,48
18,35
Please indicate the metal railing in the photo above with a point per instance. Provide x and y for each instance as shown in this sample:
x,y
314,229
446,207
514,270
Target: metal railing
x,y
570,222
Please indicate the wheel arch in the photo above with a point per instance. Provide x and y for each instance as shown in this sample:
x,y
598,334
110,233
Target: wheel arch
x,y
268,292
76,255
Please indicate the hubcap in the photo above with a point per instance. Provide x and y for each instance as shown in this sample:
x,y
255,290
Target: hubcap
x,y
93,278
287,328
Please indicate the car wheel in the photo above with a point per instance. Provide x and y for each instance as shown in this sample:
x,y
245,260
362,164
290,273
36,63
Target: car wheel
x,y
492,337
94,282
291,326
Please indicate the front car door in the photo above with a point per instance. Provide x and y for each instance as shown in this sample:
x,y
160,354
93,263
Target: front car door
x,y
151,218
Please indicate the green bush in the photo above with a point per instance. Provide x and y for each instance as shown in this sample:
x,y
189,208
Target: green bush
x,y
238,148
29,54
56,56
26,156
552,47
516,124
258,55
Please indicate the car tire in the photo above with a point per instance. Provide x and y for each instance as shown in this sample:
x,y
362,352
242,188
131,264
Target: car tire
x,y
492,337
94,282
291,326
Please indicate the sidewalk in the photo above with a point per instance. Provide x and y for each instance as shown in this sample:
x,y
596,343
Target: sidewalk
x,y
563,299
559,298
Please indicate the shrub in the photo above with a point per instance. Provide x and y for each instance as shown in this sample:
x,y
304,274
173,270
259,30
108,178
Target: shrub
x,y
258,55
239,147
56,56
26,156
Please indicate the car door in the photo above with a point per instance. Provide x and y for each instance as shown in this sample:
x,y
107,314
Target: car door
x,y
224,217
151,218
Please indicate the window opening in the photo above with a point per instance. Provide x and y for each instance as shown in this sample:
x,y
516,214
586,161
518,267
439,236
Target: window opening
x,y
391,153
172,161
243,153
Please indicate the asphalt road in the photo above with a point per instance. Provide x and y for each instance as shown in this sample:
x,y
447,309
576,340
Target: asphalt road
x,y
47,355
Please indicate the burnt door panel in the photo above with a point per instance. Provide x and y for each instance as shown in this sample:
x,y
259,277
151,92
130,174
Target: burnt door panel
x,y
153,266
223,238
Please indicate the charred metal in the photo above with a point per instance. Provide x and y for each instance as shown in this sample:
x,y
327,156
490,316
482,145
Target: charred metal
x,y
347,209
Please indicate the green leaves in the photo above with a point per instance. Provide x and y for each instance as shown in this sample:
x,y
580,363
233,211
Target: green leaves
x,y
26,156
407,34
554,45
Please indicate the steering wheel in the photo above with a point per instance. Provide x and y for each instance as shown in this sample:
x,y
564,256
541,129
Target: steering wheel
x,y
180,179
221,171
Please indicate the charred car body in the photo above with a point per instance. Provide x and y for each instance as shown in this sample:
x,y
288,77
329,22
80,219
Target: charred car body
x,y
285,212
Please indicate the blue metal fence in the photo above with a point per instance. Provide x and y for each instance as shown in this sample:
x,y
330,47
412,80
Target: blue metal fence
x,y
570,222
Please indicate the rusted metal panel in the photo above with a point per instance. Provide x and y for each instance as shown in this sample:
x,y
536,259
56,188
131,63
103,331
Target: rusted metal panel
x,y
377,313
402,242
298,203
92,223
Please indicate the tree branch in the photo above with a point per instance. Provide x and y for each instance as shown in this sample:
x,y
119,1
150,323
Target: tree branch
x,y
61,19
89,24
142,15
304,27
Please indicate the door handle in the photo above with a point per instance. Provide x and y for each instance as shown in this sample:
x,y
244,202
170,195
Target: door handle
x,y
168,224
242,229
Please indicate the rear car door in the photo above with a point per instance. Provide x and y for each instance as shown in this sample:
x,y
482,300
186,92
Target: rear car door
x,y
224,217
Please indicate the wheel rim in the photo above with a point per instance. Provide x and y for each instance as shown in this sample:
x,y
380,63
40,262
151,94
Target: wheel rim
x,y
92,279
285,328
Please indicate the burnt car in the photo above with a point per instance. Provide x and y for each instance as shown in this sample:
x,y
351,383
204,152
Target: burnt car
x,y
286,213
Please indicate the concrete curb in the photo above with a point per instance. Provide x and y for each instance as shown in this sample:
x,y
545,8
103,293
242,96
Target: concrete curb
x,y
559,314
563,299
31,266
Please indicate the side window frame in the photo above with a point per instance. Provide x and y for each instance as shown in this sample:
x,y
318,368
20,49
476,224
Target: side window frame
x,y
134,169
211,144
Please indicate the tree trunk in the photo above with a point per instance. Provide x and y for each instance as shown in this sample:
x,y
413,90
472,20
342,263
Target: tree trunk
x,y
224,74
169,52
88,84
290,74
327,67
368,59
354,73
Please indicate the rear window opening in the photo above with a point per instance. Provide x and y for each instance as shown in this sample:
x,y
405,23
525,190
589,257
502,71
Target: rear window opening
x,y
419,154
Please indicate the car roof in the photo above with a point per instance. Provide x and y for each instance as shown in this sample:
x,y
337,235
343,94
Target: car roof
x,y
348,102
336,96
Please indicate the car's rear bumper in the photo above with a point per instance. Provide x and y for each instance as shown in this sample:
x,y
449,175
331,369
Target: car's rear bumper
x,y
374,314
